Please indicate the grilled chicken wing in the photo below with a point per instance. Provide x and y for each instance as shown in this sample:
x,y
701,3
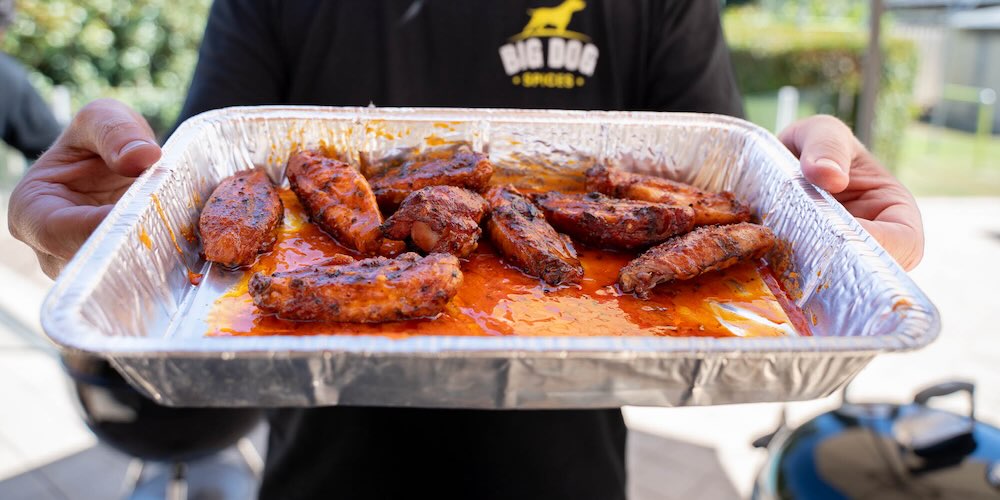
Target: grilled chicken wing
x,y
340,201
240,219
439,219
709,208
372,290
700,251
521,234
463,169
612,223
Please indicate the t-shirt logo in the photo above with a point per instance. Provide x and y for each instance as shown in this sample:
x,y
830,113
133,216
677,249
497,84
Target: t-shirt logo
x,y
564,61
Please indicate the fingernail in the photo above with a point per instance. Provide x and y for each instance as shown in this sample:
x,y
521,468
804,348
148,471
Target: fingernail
x,y
131,146
828,163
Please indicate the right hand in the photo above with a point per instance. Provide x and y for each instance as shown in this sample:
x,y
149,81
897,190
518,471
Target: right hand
x,y
72,187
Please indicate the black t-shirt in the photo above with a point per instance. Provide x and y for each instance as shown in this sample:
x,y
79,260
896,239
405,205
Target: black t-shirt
x,y
26,123
563,54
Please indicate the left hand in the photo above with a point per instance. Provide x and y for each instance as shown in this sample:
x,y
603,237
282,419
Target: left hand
x,y
834,160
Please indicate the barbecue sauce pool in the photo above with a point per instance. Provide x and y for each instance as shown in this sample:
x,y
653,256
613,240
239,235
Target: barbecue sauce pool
x,y
745,300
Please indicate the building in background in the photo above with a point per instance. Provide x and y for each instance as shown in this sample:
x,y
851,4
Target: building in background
x,y
958,75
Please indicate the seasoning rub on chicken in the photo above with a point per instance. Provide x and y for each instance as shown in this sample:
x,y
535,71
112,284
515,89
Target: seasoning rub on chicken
x,y
372,290
462,169
521,234
240,219
700,251
340,201
709,208
612,223
439,219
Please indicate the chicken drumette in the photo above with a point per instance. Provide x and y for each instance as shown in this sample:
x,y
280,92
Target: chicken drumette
x,y
709,208
439,219
614,223
521,234
240,219
340,201
372,290
700,251
461,169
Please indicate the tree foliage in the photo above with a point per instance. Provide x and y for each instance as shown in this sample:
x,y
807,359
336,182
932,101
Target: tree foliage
x,y
825,58
140,51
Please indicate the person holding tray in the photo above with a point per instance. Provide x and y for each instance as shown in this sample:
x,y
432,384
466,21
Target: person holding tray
x,y
628,55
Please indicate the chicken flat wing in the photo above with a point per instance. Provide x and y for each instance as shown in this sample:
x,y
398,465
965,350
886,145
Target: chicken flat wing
x,y
372,290
709,208
340,201
606,222
521,234
462,169
700,251
439,219
240,219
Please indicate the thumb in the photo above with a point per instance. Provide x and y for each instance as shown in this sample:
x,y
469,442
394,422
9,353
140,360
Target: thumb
x,y
825,147
116,133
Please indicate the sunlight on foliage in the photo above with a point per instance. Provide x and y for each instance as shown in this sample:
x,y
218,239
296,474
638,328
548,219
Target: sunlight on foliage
x,y
141,52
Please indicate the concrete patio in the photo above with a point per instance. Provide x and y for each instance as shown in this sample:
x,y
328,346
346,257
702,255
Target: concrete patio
x,y
681,453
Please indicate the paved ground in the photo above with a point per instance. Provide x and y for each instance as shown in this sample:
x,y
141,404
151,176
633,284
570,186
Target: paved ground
x,y
682,453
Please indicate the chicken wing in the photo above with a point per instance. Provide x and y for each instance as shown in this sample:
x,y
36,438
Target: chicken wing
x,y
709,208
700,251
439,219
520,233
612,223
240,219
372,290
340,201
462,169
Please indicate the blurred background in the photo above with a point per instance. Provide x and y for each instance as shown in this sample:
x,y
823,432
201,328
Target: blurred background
x,y
934,120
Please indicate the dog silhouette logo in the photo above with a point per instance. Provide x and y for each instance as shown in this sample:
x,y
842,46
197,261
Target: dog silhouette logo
x,y
546,54
553,21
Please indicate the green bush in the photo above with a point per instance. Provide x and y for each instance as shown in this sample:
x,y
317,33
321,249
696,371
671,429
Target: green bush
x,y
141,51
769,53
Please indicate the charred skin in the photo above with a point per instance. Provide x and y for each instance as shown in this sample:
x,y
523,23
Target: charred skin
x,y
523,236
463,169
709,208
703,250
439,219
240,219
374,290
340,201
613,223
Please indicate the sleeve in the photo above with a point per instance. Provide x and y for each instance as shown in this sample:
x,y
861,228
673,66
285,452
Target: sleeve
x,y
689,64
239,62
30,125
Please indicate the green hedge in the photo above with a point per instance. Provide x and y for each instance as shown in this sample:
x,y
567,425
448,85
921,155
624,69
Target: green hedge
x,y
139,51
142,52
769,53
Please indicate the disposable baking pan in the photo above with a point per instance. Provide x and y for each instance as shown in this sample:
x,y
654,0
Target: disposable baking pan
x,y
128,296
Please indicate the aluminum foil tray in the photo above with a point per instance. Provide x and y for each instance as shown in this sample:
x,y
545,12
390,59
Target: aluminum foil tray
x,y
127,297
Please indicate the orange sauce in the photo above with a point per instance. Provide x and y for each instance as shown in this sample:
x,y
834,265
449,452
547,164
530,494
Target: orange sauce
x,y
497,299
163,217
434,140
195,278
144,238
187,231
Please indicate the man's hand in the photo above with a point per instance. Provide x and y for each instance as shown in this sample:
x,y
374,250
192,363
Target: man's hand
x,y
72,187
833,159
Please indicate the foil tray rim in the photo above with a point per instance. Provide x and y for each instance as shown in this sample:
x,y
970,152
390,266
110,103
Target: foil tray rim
x,y
61,311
